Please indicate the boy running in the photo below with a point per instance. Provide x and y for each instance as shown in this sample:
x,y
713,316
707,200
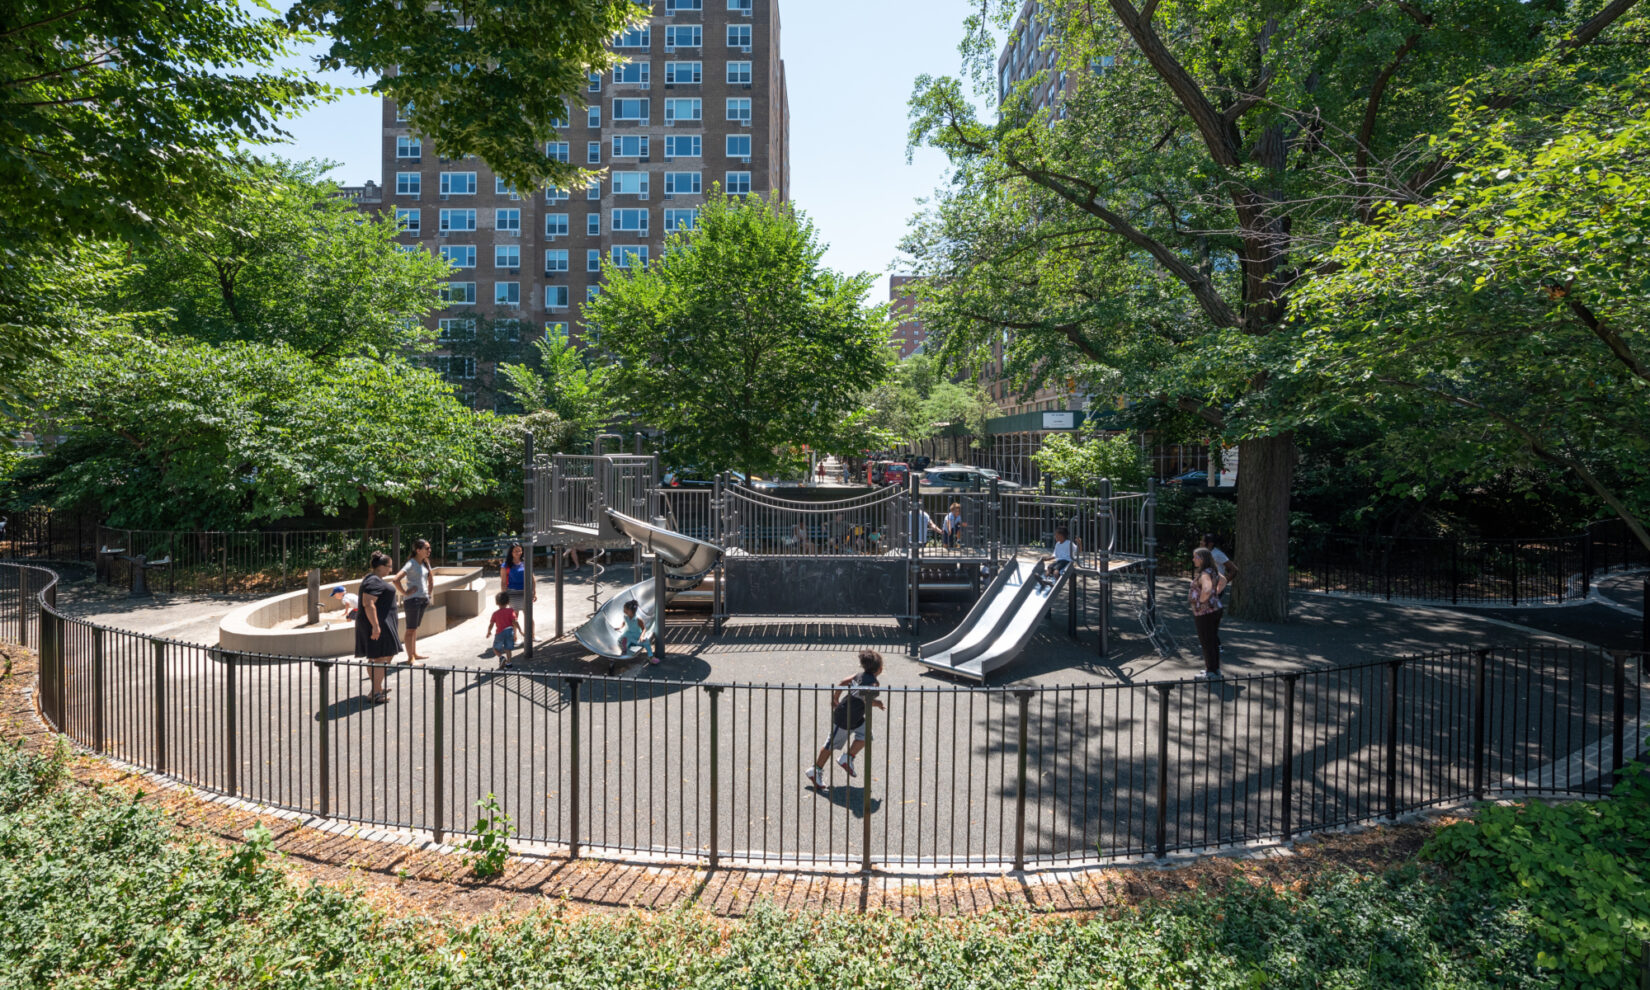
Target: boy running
x,y
848,717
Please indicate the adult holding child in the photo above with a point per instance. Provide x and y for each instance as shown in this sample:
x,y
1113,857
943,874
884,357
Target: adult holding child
x,y
375,625
416,583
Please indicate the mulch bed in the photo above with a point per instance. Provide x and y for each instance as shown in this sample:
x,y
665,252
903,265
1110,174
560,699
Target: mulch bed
x,y
409,880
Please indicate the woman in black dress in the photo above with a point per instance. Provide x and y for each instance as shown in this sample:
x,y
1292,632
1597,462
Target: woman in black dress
x,y
375,632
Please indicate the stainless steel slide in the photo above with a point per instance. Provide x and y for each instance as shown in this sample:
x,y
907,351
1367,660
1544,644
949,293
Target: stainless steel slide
x,y
685,560
999,625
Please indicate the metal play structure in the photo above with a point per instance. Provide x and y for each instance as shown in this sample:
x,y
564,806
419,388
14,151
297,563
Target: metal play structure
x,y
751,553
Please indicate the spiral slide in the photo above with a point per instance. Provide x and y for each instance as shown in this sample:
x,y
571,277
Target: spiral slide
x,y
686,561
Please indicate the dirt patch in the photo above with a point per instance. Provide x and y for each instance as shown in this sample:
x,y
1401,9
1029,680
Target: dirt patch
x,y
406,879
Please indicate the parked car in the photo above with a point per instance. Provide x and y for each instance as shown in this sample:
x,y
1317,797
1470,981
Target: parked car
x,y
887,473
919,462
1191,479
690,478
963,477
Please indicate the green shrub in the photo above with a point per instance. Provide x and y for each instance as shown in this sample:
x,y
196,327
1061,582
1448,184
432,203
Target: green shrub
x,y
487,850
1579,869
24,776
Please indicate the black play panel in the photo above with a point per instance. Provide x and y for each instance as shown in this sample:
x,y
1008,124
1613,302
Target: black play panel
x,y
801,585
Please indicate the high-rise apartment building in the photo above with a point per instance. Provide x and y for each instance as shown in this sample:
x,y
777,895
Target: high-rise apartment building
x,y
699,103
909,334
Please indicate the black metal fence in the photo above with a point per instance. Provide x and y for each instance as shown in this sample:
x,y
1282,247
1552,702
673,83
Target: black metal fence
x,y
254,561
951,777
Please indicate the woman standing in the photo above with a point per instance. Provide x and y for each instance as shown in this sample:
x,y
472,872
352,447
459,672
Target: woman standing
x,y
416,582
512,577
1207,608
375,634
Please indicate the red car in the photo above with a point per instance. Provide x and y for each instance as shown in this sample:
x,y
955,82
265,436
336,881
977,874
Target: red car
x,y
888,473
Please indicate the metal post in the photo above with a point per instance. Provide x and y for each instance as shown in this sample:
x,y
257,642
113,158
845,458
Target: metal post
x,y
865,798
1024,697
314,595
231,724
160,706
1108,537
914,570
993,539
1515,575
658,606
573,775
715,692
97,690
561,585
1617,750
438,781
223,558
324,738
284,569
1289,754
1392,739
529,591
529,532
1151,551
1163,769
1479,706
395,536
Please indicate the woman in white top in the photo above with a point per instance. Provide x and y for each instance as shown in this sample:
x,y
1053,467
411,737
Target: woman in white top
x,y
1065,553
415,581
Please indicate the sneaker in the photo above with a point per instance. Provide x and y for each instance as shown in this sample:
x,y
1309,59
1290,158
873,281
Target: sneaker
x,y
652,659
815,776
847,765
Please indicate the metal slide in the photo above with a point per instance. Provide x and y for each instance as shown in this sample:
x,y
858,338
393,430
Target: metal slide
x,y
685,560
999,625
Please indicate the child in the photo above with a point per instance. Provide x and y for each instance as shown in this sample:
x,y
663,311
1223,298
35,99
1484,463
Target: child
x,y
1065,552
347,601
633,635
848,717
504,627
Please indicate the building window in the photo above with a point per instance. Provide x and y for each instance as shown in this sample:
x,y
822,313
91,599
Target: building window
x,y
557,150
555,260
738,184
556,331
593,153
683,36
684,73
632,110
454,366
678,219
633,73
630,146
459,255
458,293
555,297
739,108
593,115
408,147
594,190
672,6
681,183
739,36
630,255
739,145
507,256
507,293
638,37
742,5
683,146
408,183
630,220
455,329
500,189
629,183
458,183
592,261
686,108
591,292
507,221
510,330
595,85
592,224
452,220
408,221
739,72
555,225
554,195
408,248
403,112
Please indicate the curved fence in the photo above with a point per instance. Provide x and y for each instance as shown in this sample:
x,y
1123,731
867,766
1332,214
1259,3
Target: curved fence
x,y
951,777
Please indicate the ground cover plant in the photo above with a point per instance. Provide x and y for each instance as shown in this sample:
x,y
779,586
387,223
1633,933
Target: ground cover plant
x,y
99,891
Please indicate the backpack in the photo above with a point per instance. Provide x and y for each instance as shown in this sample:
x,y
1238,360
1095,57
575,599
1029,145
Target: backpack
x,y
849,713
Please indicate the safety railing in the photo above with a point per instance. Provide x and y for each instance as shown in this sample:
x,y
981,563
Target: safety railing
x,y
950,777
253,561
758,523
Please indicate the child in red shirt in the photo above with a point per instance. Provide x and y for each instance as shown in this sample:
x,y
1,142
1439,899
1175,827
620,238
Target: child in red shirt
x,y
504,628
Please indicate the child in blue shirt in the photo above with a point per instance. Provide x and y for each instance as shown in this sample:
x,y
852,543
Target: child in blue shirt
x,y
633,635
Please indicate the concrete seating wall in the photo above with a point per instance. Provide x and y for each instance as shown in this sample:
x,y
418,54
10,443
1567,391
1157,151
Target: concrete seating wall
x,y
458,593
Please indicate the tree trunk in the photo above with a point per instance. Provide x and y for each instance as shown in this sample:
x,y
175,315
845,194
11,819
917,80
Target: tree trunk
x,y
372,515
1266,468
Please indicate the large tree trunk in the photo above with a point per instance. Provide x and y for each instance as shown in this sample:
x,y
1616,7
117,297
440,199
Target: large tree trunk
x,y
1266,469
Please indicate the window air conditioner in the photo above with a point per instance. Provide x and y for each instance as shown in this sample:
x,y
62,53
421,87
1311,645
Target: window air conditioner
x,y
745,48
747,85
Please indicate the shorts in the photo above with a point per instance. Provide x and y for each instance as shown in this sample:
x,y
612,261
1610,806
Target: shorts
x,y
414,608
1060,565
518,599
840,737
505,640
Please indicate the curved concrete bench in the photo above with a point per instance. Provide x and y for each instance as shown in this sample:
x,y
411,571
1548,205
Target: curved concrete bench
x,y
458,593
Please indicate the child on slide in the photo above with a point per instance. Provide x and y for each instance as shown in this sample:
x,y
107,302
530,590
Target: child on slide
x,y
633,635
1065,552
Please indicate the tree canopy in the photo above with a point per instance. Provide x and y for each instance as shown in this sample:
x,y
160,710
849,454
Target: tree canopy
x,y
737,342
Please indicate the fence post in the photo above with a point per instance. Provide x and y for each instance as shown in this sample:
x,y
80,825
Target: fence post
x,y
313,597
160,706
659,593
223,567
1479,707
1455,570
1515,575
97,689
1289,754
573,775
1151,551
439,764
1617,750
560,568
285,570
324,738
1586,561
1392,739
1024,698
715,692
1163,769
865,798
231,723
1108,537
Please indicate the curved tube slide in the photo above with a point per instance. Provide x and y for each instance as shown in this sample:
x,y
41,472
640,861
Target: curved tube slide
x,y
685,561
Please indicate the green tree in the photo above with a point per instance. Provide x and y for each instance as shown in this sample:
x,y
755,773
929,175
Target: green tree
x,y
1082,462
287,261
1157,222
567,387
915,403
737,342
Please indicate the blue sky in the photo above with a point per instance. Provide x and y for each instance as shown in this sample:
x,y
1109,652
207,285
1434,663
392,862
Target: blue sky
x,y
850,65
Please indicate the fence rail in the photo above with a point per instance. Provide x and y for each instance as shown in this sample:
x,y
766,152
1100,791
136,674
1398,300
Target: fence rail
x,y
959,778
